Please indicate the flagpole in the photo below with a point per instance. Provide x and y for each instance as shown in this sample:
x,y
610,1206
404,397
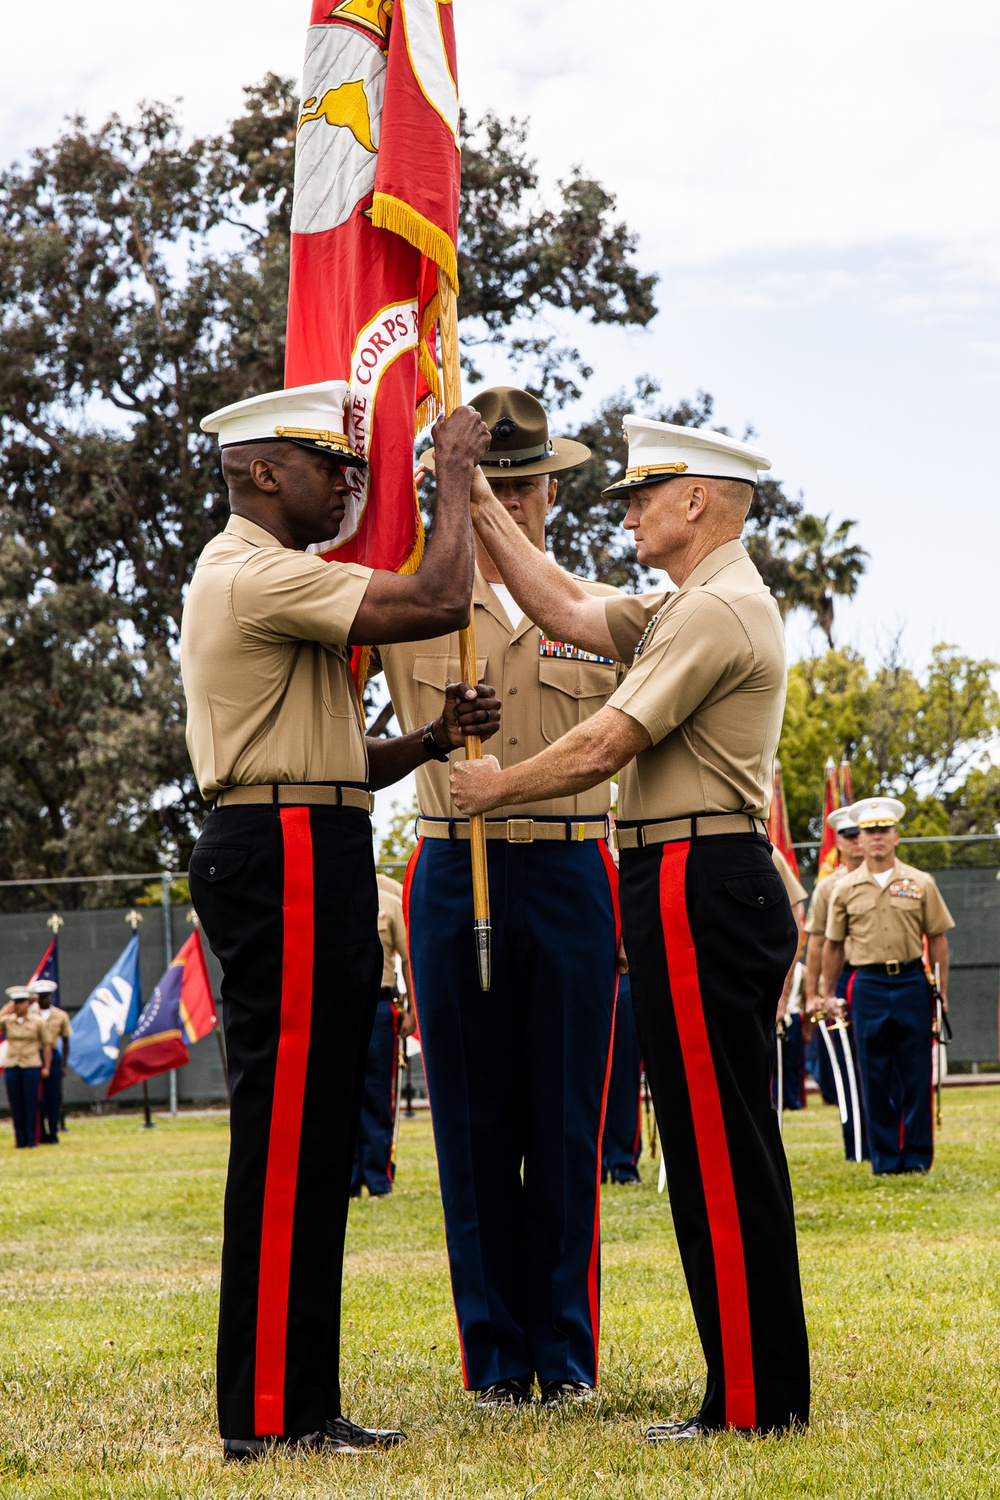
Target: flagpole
x,y
451,371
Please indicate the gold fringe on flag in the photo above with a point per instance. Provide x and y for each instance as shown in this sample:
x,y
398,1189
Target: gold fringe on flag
x,y
399,218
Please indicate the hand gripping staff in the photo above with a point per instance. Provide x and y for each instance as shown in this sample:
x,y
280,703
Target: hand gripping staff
x,y
452,380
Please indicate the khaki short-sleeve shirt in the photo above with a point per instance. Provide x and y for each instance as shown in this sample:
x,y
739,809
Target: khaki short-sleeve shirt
x,y
819,906
708,684
25,1039
545,688
265,665
794,889
886,925
391,927
55,1023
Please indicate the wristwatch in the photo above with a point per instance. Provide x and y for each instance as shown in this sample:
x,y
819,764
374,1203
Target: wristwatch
x,y
431,746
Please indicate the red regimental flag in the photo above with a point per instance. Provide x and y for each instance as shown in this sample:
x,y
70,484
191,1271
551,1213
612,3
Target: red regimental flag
x,y
375,212
197,1001
828,856
778,828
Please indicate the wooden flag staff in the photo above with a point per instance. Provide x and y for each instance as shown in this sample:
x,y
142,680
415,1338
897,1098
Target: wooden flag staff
x,y
451,372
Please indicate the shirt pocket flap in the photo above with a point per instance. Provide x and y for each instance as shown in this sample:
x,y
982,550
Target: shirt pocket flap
x,y
578,679
217,861
438,671
761,891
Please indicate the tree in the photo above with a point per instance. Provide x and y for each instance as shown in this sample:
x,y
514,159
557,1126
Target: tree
x,y
823,566
925,738
143,282
520,257
400,838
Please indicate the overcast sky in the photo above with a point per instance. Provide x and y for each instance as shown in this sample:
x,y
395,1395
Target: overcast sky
x,y
816,185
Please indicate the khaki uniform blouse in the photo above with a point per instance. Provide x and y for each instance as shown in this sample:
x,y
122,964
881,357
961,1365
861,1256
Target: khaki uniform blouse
x,y
707,682
391,927
55,1023
794,889
25,1039
544,688
265,665
886,925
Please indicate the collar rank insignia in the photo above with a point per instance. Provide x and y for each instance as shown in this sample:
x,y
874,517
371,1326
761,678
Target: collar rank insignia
x,y
646,634
906,887
563,651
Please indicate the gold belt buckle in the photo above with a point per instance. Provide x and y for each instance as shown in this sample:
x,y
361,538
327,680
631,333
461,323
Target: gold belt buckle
x,y
892,967
520,831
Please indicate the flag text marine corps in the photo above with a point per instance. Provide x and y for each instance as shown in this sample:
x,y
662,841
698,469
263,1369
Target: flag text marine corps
x,y
707,924
283,878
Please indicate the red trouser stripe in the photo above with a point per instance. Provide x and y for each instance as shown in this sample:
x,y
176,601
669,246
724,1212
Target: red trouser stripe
x,y
710,1136
281,1180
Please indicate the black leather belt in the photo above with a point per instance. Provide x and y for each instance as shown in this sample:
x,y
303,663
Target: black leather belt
x,y
892,967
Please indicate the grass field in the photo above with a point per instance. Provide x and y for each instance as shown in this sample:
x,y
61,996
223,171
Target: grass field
x,y
108,1298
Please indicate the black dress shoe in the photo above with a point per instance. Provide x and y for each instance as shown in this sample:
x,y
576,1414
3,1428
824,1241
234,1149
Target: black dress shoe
x,y
556,1392
676,1432
506,1393
343,1435
247,1450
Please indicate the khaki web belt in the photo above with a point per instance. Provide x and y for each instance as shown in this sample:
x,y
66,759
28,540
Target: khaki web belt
x,y
516,830
316,794
702,826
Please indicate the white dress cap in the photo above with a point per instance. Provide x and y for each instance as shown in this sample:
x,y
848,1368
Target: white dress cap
x,y
43,987
877,812
18,992
310,415
659,450
842,819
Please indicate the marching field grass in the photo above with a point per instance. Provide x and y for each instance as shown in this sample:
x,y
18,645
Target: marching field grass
x,y
108,1276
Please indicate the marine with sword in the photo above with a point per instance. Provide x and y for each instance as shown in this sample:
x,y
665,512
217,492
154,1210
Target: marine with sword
x,y
832,1013
885,910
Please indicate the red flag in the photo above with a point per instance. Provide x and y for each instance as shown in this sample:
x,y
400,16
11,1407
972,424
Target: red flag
x,y
375,212
828,855
197,1008
778,829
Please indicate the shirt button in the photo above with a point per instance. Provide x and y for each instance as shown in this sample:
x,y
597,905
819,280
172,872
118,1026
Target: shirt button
x,y
512,690
578,691
211,870
512,740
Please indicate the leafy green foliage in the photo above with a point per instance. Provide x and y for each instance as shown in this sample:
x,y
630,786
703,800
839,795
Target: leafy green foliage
x,y
925,738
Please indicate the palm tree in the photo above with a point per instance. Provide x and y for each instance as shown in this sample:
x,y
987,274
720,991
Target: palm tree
x,y
824,567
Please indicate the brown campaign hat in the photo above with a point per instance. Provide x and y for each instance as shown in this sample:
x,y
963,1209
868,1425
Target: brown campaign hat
x,y
520,442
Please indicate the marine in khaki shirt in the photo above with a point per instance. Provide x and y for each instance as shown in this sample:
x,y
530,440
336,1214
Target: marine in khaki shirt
x,y
27,1046
886,924
519,1161
56,1024
710,937
261,614
544,687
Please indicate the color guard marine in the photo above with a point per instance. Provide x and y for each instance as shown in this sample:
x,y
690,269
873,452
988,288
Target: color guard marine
x,y
708,928
516,1077
839,1076
881,913
283,876
28,1058
56,1025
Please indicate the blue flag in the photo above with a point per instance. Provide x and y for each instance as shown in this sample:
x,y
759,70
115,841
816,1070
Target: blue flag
x,y
108,1014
